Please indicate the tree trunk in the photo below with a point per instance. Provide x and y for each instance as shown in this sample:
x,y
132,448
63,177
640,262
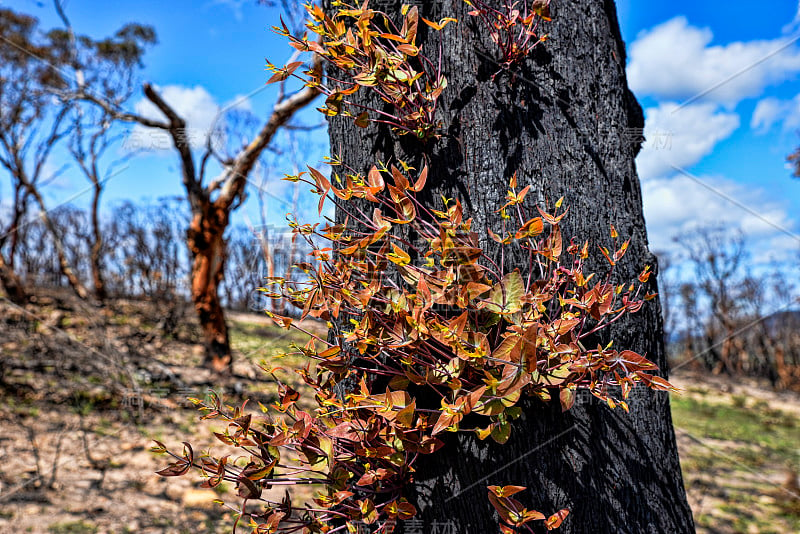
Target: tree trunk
x,y
13,286
61,255
207,246
96,250
567,123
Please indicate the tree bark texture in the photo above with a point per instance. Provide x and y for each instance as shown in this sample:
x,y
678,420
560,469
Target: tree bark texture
x,y
567,123
207,247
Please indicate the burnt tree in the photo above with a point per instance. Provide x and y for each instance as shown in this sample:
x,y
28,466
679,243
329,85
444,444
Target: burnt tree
x,y
211,207
566,122
212,201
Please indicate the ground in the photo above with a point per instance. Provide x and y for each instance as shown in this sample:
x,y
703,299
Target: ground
x,y
739,444
84,391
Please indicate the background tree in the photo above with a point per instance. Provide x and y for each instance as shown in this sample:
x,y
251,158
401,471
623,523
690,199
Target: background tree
x,y
107,67
29,126
37,69
566,122
794,160
717,255
735,316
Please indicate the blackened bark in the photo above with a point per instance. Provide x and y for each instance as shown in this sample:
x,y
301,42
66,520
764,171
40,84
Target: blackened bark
x,y
567,123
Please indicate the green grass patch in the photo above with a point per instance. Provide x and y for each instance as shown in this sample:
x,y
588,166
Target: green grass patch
x,y
757,443
72,527
776,434
263,341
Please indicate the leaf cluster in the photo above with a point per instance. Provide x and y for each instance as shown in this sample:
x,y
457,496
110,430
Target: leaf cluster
x,y
364,48
428,333
431,336
513,26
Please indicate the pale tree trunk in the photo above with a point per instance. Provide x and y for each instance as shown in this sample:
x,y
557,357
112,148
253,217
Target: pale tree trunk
x,y
269,260
13,286
567,123
96,250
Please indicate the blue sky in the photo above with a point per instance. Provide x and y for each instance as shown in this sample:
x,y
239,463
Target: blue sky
x,y
718,82
712,155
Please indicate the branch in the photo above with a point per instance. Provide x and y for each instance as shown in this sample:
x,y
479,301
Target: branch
x,y
46,146
236,176
72,43
115,113
177,129
155,98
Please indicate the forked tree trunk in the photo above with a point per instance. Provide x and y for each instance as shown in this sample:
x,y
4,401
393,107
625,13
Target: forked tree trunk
x,y
207,247
210,219
567,123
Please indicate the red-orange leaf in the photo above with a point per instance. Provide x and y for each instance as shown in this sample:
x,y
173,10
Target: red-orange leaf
x,y
423,177
555,520
438,25
175,469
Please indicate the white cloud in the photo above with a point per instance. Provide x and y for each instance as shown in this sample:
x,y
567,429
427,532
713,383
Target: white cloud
x,y
676,60
771,111
792,26
781,249
674,205
194,104
681,136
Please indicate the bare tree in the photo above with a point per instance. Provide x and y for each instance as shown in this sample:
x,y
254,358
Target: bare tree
x,y
29,127
33,120
669,294
794,160
145,257
108,68
717,255
211,200
268,238
729,310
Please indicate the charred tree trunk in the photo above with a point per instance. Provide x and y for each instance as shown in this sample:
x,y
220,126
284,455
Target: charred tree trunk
x,y
20,208
567,123
207,247
10,281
